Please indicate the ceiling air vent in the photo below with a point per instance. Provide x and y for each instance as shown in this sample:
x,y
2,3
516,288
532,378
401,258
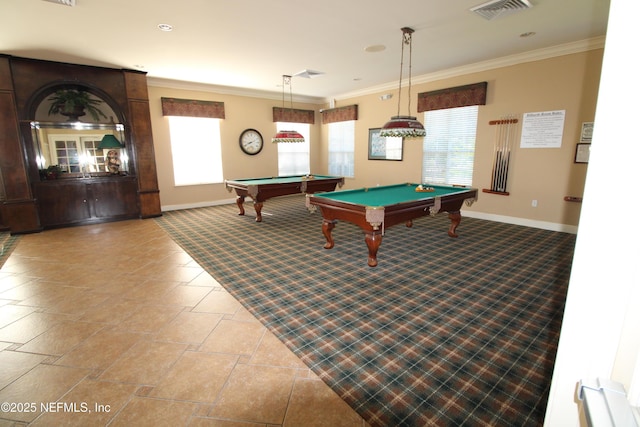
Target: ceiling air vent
x,y
308,74
498,8
65,2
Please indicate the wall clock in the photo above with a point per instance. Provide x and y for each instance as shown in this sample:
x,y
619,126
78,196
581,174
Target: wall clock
x,y
251,141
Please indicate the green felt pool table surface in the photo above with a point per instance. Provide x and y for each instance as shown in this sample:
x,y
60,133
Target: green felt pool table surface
x,y
390,194
281,179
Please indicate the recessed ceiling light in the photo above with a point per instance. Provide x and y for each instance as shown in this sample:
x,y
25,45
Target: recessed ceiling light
x,y
375,48
165,27
528,34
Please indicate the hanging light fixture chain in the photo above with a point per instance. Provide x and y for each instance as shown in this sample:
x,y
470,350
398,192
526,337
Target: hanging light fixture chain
x,y
283,80
406,40
290,92
401,69
287,135
407,37
404,126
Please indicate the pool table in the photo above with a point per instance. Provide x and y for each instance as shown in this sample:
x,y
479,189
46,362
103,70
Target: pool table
x,y
374,209
261,189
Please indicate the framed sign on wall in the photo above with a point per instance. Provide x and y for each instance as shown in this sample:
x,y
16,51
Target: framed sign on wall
x,y
582,153
384,148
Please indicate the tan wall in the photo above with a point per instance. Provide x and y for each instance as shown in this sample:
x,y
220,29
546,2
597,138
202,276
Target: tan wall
x,y
241,113
546,174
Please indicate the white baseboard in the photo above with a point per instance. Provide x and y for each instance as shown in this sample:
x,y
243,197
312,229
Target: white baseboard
x,y
552,226
166,208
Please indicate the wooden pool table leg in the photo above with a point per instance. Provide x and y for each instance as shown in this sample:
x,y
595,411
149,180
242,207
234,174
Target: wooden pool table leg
x,y
327,226
258,207
240,203
373,241
455,218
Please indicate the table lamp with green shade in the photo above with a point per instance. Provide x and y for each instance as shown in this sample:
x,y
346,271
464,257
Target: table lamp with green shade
x,y
111,144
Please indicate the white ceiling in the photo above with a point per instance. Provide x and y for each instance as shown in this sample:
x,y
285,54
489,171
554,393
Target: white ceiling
x,y
250,44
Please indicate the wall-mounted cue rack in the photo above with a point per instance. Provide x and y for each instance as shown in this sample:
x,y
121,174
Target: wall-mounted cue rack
x,y
505,135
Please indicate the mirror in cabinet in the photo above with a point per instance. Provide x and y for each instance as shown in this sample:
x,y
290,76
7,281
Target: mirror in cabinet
x,y
84,173
79,150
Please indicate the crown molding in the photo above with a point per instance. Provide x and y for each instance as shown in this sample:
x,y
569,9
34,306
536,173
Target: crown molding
x,y
505,61
227,90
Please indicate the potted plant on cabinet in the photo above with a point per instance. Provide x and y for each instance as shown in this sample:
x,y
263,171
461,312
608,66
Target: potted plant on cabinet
x,y
51,172
74,103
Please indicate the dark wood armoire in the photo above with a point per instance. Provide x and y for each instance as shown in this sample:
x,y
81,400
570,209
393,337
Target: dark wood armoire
x,y
29,202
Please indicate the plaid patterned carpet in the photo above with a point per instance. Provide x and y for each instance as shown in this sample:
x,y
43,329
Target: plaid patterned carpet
x,y
451,332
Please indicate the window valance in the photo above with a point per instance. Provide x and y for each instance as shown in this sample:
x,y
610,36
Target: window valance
x,y
293,115
340,114
459,96
192,108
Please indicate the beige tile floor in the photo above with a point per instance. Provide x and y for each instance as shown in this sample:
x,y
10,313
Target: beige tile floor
x,y
114,324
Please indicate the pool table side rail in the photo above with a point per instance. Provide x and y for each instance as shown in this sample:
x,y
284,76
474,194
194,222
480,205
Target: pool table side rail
x,y
280,179
267,190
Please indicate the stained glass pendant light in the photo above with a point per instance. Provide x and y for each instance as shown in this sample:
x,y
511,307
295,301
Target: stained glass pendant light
x,y
287,135
404,126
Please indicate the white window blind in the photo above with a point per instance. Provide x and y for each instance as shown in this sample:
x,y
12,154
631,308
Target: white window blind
x,y
449,147
341,148
293,157
196,150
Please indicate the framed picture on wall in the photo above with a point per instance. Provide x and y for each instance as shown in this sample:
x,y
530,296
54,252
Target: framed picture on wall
x,y
384,148
587,132
582,153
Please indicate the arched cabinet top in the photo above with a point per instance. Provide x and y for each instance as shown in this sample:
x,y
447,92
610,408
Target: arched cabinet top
x,y
35,80
40,104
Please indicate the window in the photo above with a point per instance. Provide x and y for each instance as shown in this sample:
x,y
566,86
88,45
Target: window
x,y
76,153
95,157
196,150
67,154
341,148
293,158
449,147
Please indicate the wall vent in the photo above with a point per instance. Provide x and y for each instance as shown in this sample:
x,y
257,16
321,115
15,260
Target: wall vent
x,y
499,8
64,2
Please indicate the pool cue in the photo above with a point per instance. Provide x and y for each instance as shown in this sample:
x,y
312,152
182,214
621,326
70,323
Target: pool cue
x,y
501,157
496,155
510,137
495,152
502,145
506,155
494,185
